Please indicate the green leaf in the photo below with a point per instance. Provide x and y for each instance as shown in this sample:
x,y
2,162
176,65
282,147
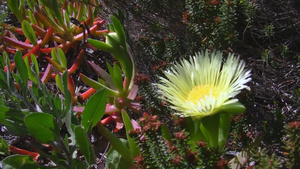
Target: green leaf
x,y
116,143
94,110
94,84
62,58
119,29
59,82
14,7
4,148
66,91
35,63
12,119
103,74
54,55
85,145
118,77
100,45
20,162
2,62
210,128
68,109
29,32
233,108
192,125
128,127
42,127
115,160
21,66
224,128
31,74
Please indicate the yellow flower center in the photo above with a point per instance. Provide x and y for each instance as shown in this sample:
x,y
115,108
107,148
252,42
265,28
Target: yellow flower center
x,y
199,92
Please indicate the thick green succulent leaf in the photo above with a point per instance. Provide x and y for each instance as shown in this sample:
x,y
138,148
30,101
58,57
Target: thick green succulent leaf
x,y
100,45
128,127
29,32
116,143
119,29
35,63
118,77
115,160
15,7
103,74
59,82
96,85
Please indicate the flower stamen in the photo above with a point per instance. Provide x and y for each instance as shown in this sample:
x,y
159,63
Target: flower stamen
x,y
199,92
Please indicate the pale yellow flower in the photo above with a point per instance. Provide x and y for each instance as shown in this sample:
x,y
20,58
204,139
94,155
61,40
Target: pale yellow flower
x,y
200,86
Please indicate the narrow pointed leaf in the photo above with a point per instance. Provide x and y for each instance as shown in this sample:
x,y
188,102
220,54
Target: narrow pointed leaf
x,y
84,145
128,127
59,82
35,63
119,29
54,55
14,7
31,74
29,32
103,74
21,66
100,45
116,143
62,58
92,83
118,77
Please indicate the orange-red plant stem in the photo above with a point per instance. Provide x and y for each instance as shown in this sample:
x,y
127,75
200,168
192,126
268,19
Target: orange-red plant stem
x,y
16,150
16,43
77,62
48,36
87,94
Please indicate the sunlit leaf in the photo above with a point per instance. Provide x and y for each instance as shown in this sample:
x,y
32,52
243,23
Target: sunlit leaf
x,y
118,77
94,110
128,127
29,32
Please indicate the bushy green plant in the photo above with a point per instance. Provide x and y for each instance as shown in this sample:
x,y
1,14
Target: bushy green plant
x,y
35,111
30,108
263,160
162,149
292,144
214,21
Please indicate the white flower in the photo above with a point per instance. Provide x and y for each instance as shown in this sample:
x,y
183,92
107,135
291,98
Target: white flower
x,y
200,86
